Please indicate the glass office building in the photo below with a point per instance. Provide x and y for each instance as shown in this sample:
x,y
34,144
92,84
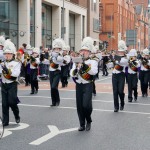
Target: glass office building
x,y
9,19
38,22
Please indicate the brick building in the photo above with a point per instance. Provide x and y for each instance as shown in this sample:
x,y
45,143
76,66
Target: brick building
x,y
142,26
120,17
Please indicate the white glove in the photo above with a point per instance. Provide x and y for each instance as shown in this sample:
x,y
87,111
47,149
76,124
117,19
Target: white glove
x,y
117,62
60,59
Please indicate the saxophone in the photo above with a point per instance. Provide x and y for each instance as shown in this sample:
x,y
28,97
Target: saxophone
x,y
144,62
133,64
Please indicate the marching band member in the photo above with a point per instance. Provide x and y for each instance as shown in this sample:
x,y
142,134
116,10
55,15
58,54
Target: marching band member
x,y
105,62
56,61
94,56
10,72
34,62
83,73
132,76
145,72
26,64
2,41
118,77
65,66
99,55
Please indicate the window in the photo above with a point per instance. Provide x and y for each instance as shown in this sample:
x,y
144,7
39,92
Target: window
x,y
32,22
96,26
47,25
63,29
9,20
72,31
94,3
83,26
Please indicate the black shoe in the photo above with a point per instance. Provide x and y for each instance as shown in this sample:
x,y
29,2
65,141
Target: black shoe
x,y
115,110
53,105
57,103
82,128
36,91
5,124
94,94
143,95
32,93
146,94
135,99
88,126
121,107
63,85
130,101
17,120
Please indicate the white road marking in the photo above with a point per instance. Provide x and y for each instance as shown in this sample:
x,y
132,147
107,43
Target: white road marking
x,y
94,100
103,79
53,132
71,91
20,126
74,108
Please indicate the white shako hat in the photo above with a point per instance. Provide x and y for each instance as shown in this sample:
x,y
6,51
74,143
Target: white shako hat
x,y
58,43
87,44
95,49
28,47
122,46
146,51
36,50
66,48
9,47
132,53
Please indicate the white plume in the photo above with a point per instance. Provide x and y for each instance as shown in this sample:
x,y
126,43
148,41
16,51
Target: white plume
x,y
9,47
87,44
95,49
36,50
146,52
2,40
58,43
132,53
28,47
66,48
122,46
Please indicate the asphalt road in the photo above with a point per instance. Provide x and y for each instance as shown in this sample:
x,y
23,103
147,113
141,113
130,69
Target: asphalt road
x,y
45,128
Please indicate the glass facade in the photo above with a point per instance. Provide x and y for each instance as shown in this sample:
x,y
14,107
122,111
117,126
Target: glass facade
x,y
9,19
72,31
62,23
83,27
32,23
46,26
